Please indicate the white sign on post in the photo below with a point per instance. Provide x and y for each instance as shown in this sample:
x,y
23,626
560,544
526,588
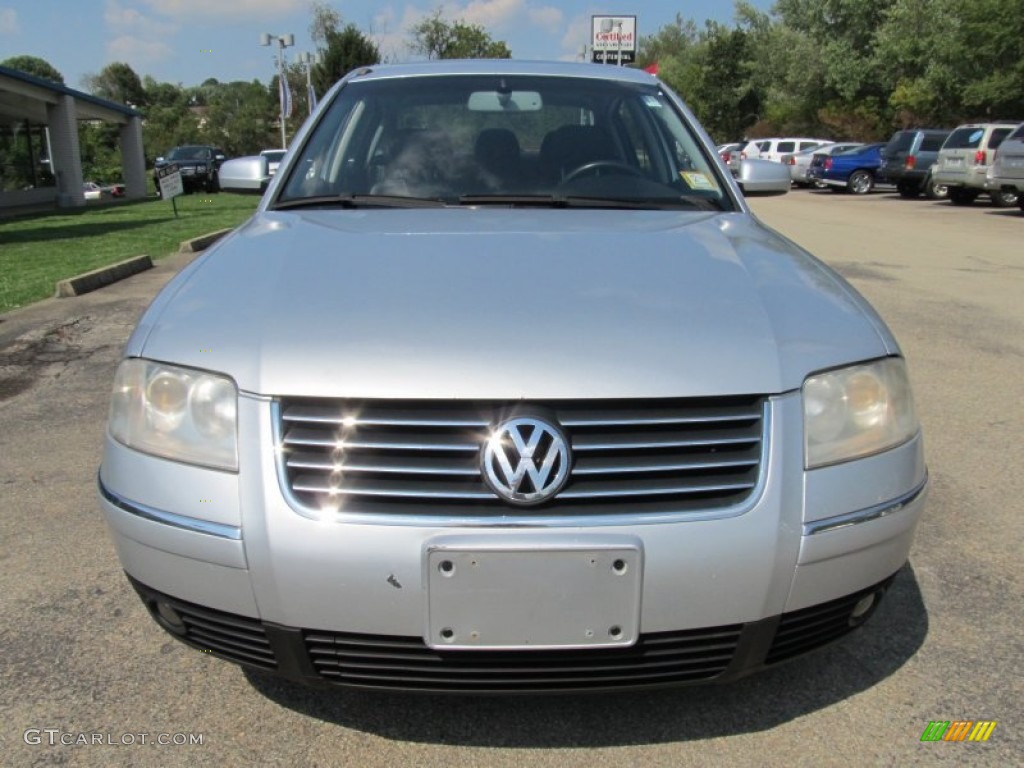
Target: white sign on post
x,y
613,39
170,181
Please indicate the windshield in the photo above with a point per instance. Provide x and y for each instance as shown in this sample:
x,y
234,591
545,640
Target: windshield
x,y
471,139
188,153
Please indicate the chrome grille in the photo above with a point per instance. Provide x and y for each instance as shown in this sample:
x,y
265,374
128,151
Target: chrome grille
x,y
423,458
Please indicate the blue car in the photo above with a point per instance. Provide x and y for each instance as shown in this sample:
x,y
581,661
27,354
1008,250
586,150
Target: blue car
x,y
857,170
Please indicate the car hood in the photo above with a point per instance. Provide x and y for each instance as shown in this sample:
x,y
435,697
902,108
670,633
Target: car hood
x,y
508,304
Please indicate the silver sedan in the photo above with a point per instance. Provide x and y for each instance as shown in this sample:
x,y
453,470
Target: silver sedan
x,y
504,389
799,164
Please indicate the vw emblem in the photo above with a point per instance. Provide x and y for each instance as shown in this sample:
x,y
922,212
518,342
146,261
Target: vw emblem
x,y
526,461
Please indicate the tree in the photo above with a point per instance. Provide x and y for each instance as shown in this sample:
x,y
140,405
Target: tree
x,y
710,69
674,40
436,38
326,21
240,116
169,121
344,51
117,82
33,65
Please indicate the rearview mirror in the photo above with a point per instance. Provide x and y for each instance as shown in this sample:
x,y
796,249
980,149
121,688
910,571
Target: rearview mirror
x,y
504,101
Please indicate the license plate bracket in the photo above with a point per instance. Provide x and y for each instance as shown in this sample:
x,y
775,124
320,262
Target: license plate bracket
x,y
559,597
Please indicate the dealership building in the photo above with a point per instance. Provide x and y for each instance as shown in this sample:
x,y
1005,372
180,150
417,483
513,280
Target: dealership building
x,y
40,161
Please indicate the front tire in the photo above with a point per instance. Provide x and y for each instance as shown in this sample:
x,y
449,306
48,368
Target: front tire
x,y
861,182
961,196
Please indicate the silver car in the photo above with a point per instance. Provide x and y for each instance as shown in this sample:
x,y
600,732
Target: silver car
x,y
1006,174
799,164
963,163
504,389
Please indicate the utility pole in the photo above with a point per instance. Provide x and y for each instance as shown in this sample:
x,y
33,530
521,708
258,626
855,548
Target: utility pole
x,y
283,41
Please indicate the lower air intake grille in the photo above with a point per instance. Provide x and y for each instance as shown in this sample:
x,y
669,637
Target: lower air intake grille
x,y
633,457
236,638
406,663
804,630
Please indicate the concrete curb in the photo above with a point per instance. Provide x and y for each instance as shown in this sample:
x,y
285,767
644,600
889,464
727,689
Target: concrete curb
x,y
202,242
98,278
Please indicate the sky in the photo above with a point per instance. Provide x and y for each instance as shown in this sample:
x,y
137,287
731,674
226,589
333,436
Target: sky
x,y
188,41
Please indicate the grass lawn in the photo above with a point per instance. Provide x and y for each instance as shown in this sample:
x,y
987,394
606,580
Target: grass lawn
x,y
37,251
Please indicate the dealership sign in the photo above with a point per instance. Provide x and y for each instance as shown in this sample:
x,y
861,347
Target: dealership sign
x,y
613,39
170,181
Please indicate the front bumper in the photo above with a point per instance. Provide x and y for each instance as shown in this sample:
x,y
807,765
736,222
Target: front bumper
x,y
229,545
387,662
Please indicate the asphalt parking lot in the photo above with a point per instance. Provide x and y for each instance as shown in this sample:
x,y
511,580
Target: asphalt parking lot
x,y
81,657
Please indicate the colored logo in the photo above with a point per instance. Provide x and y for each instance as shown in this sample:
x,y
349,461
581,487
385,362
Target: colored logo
x,y
958,730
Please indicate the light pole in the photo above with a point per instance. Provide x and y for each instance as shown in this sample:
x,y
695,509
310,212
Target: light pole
x,y
309,60
283,41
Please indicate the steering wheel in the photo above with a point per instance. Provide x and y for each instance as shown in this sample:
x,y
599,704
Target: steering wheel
x,y
596,165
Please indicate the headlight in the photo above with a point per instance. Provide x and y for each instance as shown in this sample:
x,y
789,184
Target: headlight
x,y
857,411
177,413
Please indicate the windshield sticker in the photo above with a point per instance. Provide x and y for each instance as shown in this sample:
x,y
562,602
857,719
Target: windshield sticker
x,y
651,101
976,137
697,181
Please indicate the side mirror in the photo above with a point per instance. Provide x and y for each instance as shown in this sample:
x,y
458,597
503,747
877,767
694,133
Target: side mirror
x,y
761,178
248,175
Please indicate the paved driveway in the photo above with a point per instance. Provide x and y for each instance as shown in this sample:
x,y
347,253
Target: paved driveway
x,y
80,656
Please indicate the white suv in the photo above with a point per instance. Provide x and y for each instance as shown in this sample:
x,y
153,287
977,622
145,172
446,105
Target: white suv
x,y
772,149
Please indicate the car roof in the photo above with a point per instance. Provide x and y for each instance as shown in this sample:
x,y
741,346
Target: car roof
x,y
500,67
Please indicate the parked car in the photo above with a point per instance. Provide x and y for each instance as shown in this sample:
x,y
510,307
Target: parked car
x,y
800,164
274,158
774,149
500,391
114,189
771,149
199,166
908,159
964,161
92,190
856,170
725,151
1006,173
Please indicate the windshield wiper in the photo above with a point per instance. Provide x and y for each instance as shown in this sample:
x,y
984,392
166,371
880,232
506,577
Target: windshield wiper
x,y
579,201
360,201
